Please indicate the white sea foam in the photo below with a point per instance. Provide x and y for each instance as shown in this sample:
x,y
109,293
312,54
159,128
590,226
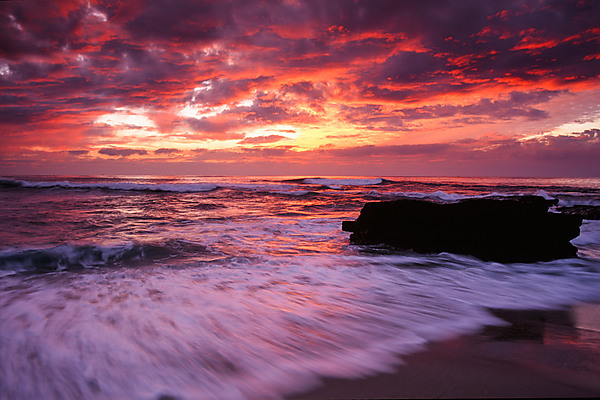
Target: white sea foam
x,y
544,194
252,328
437,195
338,183
258,187
293,192
578,201
590,233
155,187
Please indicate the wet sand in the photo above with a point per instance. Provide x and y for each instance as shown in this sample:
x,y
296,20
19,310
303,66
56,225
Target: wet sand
x,y
536,354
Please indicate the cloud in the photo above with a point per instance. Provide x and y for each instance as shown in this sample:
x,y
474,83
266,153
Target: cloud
x,y
219,91
410,66
391,150
306,89
181,21
78,152
382,71
38,29
121,152
574,154
268,152
271,107
23,114
213,128
509,106
263,139
166,151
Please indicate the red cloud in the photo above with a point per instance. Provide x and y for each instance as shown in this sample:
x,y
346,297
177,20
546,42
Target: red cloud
x,y
379,66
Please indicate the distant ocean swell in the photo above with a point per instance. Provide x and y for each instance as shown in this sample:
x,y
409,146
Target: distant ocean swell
x,y
189,187
162,187
568,195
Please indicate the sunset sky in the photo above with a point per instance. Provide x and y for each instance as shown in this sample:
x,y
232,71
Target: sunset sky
x,y
469,87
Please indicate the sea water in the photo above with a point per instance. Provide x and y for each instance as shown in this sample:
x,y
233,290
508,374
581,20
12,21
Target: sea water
x,y
243,287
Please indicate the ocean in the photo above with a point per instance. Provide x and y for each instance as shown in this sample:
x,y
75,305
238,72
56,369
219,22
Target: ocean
x,y
137,287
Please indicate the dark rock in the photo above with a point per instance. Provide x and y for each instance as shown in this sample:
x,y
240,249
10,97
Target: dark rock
x,y
515,229
585,212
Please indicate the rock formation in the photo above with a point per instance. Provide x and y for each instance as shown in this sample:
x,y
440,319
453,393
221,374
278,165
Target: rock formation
x,y
514,229
585,212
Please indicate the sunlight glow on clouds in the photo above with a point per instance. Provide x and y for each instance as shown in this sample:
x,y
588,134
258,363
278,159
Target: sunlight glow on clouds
x,y
123,116
346,87
566,129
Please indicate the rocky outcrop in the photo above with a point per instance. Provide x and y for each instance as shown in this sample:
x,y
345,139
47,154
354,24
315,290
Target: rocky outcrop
x,y
585,212
514,229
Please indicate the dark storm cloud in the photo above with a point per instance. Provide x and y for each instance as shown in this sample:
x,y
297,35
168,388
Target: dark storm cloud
x,y
121,152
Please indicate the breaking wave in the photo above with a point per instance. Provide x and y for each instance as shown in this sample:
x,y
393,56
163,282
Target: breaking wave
x,y
83,256
128,186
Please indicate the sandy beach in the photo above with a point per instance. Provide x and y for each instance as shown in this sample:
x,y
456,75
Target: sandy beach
x,y
537,354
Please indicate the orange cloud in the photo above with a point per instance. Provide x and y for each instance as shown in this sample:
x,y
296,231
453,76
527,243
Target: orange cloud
x,y
81,80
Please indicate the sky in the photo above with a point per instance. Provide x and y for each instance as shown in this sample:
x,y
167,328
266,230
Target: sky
x,y
311,88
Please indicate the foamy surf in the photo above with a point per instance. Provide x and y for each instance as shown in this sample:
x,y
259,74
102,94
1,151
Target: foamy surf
x,y
126,186
258,328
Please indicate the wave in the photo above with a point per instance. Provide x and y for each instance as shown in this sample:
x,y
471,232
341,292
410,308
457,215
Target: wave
x,y
84,256
379,188
590,234
127,186
440,195
156,187
337,183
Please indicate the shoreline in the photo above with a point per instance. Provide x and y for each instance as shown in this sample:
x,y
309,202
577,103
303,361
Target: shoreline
x,y
539,353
